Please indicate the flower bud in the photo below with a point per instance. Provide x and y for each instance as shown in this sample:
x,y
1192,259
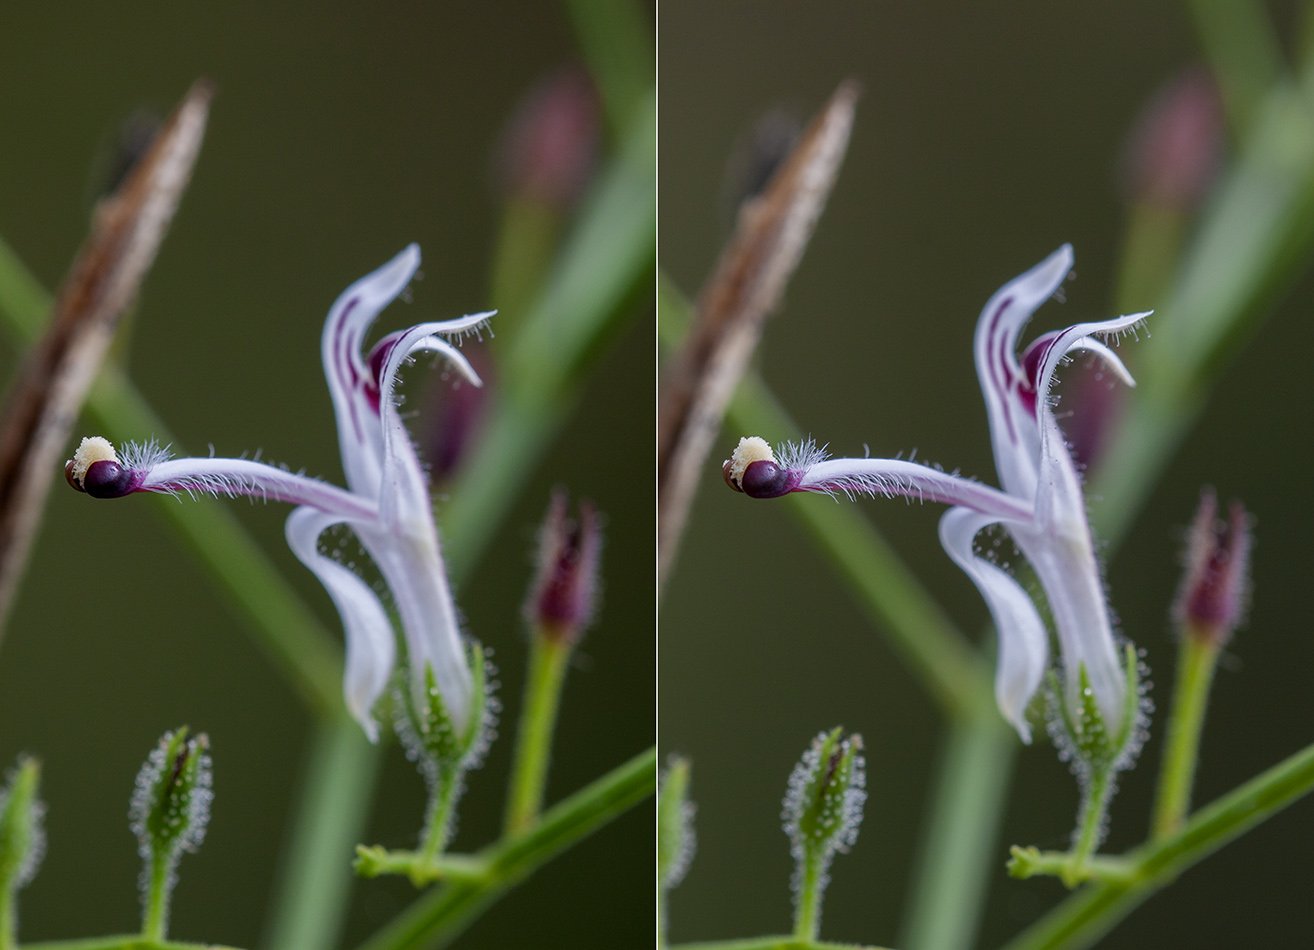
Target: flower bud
x,y
564,594
549,147
823,804
22,832
1216,585
430,735
171,801
675,831
1174,150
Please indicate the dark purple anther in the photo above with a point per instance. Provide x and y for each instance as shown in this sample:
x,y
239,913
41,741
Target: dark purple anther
x,y
108,479
766,479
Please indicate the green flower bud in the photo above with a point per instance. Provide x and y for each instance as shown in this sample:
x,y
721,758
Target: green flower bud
x,y
170,810
22,831
675,831
426,728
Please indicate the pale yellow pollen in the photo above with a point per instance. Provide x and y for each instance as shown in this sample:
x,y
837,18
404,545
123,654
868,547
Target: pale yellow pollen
x,y
91,449
751,448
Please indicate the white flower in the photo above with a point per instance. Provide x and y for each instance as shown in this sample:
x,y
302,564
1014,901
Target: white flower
x,y
1040,502
386,502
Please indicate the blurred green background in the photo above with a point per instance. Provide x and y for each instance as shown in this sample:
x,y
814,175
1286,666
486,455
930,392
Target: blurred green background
x,y
337,136
987,136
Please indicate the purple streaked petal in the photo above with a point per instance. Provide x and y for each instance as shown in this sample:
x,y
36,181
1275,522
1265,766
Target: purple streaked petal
x,y
233,477
350,382
1023,642
1008,390
371,645
889,478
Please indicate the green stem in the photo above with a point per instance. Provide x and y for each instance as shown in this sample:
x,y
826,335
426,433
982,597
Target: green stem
x,y
771,943
958,857
1094,807
901,609
8,920
807,916
1196,660
378,861
1091,912
157,898
437,918
122,942
279,622
336,788
442,804
548,660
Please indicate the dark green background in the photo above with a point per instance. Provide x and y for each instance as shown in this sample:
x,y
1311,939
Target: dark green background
x,y
988,135
338,134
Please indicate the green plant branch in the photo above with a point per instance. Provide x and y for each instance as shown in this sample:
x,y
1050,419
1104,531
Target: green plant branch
x,y
1196,659
548,659
378,861
957,855
435,919
314,882
772,943
1091,912
923,637
1243,52
280,624
617,45
126,942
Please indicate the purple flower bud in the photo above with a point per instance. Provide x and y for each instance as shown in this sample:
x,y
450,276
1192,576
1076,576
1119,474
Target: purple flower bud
x,y
564,594
1216,586
1174,150
458,414
549,146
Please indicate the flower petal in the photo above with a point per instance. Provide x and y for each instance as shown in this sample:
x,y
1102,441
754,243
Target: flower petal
x,y
890,478
1008,391
233,477
1023,642
351,383
371,646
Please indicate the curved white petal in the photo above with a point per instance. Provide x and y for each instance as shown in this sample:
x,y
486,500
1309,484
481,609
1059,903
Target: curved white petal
x,y
371,647
405,495
1023,642
351,382
1080,336
1107,356
1013,431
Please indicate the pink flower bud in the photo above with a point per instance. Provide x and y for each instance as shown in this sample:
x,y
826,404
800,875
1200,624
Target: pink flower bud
x,y
1174,150
1216,586
548,149
564,594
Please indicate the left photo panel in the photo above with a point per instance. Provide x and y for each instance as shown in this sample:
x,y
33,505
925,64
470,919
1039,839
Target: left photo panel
x,y
326,594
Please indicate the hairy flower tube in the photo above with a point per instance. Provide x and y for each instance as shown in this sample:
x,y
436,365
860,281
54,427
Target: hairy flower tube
x,y
386,502
1039,503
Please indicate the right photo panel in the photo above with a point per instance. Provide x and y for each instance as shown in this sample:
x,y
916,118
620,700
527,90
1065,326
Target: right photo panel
x,y
984,481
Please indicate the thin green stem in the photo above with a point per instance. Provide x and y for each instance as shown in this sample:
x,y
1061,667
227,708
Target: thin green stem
x,y
8,921
1091,912
421,869
436,919
280,624
958,857
617,45
157,898
548,661
442,805
1243,51
336,787
901,609
1030,862
1091,823
1196,660
123,942
807,914
771,943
